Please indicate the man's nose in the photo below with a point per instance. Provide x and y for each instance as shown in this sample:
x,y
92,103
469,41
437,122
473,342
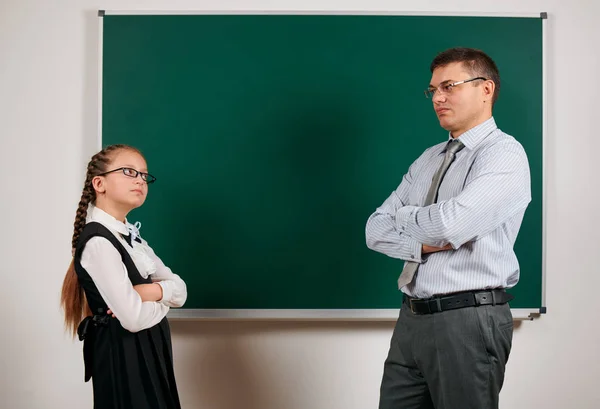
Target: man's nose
x,y
438,97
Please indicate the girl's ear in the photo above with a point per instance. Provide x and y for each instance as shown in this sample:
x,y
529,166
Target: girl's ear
x,y
98,184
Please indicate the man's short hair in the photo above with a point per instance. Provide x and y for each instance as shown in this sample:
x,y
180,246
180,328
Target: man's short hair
x,y
476,61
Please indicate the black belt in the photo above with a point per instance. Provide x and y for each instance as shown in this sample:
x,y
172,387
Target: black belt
x,y
95,321
456,300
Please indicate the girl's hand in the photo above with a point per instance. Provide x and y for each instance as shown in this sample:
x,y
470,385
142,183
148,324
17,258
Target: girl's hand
x,y
109,312
149,292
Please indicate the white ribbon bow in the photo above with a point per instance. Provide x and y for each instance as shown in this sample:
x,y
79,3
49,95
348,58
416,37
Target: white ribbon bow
x,y
134,230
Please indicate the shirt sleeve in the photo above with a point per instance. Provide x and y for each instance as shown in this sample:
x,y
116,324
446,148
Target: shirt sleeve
x,y
382,234
173,287
103,263
498,188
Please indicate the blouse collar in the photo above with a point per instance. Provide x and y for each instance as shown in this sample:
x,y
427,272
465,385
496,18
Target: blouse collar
x,y
95,214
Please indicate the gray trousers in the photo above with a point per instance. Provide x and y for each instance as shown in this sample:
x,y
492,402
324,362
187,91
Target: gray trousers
x,y
447,360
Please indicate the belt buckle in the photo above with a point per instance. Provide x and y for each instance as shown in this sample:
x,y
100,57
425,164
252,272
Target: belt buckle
x,y
410,303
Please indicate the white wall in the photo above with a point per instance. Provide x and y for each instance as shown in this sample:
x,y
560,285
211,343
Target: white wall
x,y
48,126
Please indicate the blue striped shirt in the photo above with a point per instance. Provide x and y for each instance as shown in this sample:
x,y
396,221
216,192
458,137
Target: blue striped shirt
x,y
480,206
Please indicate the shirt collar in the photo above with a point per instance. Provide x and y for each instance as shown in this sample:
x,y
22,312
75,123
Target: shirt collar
x,y
96,214
475,135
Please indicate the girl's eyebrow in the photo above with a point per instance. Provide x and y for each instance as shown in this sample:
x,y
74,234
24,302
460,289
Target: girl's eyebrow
x,y
133,167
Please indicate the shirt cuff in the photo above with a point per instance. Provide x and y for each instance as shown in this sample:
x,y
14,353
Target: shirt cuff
x,y
413,249
167,291
403,216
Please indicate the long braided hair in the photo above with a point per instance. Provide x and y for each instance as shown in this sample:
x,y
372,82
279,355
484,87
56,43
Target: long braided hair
x,y
72,299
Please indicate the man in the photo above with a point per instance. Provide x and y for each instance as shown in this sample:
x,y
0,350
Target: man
x,y
454,219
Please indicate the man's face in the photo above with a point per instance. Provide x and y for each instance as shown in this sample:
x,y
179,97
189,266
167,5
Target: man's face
x,y
460,107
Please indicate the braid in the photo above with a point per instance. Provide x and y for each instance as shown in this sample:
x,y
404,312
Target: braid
x,y
88,195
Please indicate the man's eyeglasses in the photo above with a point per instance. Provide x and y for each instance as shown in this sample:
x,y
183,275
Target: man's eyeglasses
x,y
447,88
132,173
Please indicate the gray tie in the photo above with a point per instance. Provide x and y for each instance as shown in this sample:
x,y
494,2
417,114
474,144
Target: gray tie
x,y
410,268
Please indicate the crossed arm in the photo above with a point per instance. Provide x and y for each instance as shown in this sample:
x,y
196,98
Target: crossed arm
x,y
498,188
147,292
137,307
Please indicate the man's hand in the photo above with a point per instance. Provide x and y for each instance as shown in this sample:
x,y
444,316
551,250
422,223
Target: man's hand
x,y
149,292
430,249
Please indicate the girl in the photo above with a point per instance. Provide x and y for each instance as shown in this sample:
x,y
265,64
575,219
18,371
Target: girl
x,y
122,288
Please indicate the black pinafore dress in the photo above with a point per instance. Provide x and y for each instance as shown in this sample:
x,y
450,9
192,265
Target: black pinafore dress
x,y
128,370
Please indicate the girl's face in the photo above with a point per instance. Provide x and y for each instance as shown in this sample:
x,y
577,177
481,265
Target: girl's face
x,y
122,186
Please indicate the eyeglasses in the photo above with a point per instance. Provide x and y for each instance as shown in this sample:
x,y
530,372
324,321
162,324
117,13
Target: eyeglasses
x,y
132,173
447,88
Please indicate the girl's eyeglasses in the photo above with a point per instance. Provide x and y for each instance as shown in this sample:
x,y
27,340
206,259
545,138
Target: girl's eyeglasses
x,y
132,173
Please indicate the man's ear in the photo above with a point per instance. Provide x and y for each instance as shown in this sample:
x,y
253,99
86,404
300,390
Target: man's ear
x,y
98,184
488,90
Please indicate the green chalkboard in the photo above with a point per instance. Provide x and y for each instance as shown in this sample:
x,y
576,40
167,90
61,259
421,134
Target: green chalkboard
x,y
274,137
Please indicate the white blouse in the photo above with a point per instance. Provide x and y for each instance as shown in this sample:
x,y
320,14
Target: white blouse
x,y
103,263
